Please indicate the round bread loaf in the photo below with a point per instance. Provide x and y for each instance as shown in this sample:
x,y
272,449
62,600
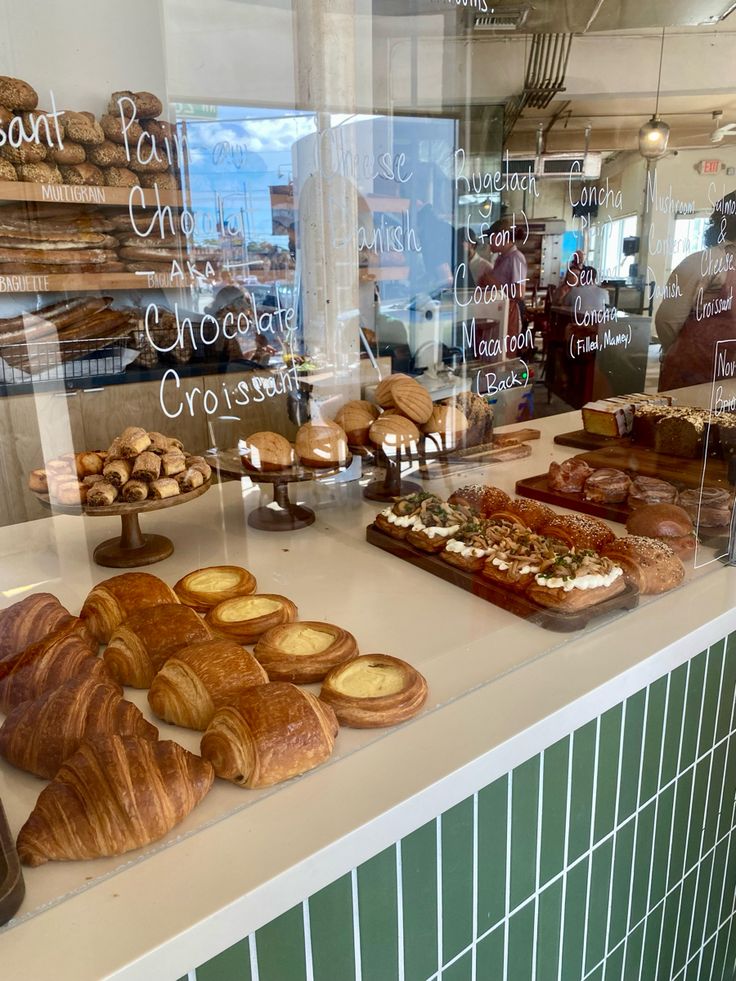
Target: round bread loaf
x,y
667,522
39,173
394,432
108,154
120,177
447,425
648,563
6,116
266,452
84,173
383,390
17,94
69,155
26,153
145,104
413,400
79,128
356,420
164,182
160,129
321,444
7,171
112,127
152,166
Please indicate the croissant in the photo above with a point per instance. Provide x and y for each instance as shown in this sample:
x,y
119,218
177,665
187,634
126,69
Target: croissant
x,y
270,733
64,654
141,646
38,736
115,794
201,678
28,621
111,602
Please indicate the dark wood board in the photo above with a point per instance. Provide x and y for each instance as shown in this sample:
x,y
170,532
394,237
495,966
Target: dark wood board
x,y
538,489
625,455
516,603
12,887
590,441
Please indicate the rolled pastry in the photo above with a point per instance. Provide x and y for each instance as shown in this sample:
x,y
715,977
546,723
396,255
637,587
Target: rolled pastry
x,y
172,463
132,442
205,588
374,690
304,651
118,472
199,463
201,678
88,463
114,600
159,442
135,491
165,487
147,466
101,494
38,482
190,479
246,618
269,734
68,491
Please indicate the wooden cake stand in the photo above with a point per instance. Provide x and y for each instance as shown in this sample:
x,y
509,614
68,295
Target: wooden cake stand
x,y
133,548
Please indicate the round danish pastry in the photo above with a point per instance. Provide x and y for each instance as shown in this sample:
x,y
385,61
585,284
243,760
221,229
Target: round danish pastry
x,y
651,490
710,507
304,651
246,618
374,690
607,486
569,476
204,588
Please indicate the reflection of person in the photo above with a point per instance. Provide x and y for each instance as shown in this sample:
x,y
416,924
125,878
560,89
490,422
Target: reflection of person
x,y
509,271
570,279
698,309
587,297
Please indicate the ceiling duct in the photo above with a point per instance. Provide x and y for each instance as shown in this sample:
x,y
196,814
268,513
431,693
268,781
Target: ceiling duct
x,y
502,19
545,76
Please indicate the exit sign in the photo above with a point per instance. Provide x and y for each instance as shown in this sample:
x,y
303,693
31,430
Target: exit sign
x,y
709,166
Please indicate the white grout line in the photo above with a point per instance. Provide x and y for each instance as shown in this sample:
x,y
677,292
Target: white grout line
x,y
725,956
253,952
537,864
636,823
566,853
507,899
191,976
356,925
438,861
400,909
308,961
698,953
596,761
615,836
474,954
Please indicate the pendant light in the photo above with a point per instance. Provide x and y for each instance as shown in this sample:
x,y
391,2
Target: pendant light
x,y
654,135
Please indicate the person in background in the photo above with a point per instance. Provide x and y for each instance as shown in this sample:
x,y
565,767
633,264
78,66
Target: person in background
x,y
508,273
477,265
570,279
698,310
587,297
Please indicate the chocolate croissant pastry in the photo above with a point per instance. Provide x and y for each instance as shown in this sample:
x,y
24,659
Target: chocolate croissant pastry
x,y
115,794
38,736
140,646
111,602
270,733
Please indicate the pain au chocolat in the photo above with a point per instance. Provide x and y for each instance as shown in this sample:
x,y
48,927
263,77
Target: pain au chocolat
x,y
304,651
204,588
246,618
374,690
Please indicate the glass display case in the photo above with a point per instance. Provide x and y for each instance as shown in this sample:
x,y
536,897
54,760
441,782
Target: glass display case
x,y
368,399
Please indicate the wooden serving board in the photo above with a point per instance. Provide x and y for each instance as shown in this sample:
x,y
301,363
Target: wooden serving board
x,y
590,441
12,887
505,447
516,603
538,489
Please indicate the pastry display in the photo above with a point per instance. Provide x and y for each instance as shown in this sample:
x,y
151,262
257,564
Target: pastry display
x,y
144,641
577,580
478,414
304,651
269,734
322,444
570,476
201,678
607,486
26,622
205,588
398,519
650,490
710,507
266,452
471,545
522,511
374,690
518,555
668,522
615,416
647,563
384,387
116,793
394,433
446,427
39,736
113,601
413,400
483,499
356,418
435,523
578,531
246,618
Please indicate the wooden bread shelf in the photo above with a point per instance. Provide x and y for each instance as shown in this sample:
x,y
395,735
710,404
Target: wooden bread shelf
x,y
83,194
90,282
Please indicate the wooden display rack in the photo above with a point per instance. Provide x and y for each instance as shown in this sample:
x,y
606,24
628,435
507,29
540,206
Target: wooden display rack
x,y
83,194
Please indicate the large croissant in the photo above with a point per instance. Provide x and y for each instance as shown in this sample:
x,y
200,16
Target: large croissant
x,y
269,733
201,678
141,646
114,600
38,736
26,622
115,794
66,653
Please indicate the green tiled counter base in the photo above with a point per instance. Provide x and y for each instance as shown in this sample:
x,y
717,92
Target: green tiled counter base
x,y
608,857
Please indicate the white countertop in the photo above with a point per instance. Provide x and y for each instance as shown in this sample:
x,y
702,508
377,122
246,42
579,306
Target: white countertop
x,y
499,690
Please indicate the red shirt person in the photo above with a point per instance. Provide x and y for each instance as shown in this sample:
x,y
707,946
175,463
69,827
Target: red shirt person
x,y
509,271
